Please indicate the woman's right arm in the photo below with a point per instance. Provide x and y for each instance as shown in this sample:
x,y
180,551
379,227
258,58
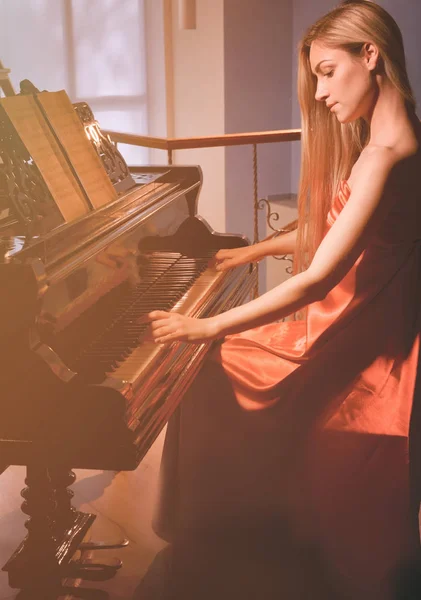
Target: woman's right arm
x,y
230,258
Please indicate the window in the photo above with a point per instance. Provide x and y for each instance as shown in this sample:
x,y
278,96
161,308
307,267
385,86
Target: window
x,y
94,49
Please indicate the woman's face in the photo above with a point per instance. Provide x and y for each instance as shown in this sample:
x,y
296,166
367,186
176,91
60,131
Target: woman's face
x,y
344,82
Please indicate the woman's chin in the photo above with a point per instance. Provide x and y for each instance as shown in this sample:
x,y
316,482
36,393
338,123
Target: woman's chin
x,y
343,119
348,117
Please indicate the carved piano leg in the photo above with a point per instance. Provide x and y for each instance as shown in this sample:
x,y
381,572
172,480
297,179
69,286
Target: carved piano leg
x,y
69,522
66,517
55,531
35,563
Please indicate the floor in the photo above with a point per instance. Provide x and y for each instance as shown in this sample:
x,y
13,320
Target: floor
x,y
123,503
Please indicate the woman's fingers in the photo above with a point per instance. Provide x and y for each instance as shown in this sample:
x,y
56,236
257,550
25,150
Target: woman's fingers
x,y
221,254
158,314
230,263
164,326
167,333
155,325
161,331
166,339
222,257
170,327
228,259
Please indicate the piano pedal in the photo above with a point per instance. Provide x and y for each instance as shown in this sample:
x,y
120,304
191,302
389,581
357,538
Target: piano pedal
x,y
90,570
84,546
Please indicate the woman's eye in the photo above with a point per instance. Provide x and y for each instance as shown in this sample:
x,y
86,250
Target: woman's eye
x,y
329,74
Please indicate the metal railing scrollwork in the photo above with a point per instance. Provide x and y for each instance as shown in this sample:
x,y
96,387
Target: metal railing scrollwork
x,y
274,216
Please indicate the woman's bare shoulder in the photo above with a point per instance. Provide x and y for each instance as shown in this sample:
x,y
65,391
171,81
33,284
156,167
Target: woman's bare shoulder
x,y
385,162
374,161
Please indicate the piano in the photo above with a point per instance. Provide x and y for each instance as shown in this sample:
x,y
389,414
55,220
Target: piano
x,y
82,387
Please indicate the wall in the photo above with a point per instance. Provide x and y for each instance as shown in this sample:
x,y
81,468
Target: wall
x,y
408,16
257,62
198,96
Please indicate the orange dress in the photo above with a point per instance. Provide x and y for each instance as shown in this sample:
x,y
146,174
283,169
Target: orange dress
x,y
306,423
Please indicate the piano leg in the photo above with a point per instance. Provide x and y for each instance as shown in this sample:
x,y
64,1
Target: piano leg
x,y
67,521
55,532
66,518
35,563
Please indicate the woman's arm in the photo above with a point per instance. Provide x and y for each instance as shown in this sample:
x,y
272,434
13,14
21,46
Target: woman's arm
x,y
369,202
230,258
278,246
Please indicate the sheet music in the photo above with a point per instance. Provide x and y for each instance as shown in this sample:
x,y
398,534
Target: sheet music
x,y
72,136
38,139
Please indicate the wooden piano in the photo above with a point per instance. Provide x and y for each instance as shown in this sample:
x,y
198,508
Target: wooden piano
x,y
81,386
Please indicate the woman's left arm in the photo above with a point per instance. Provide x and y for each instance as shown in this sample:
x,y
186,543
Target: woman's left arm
x,y
369,202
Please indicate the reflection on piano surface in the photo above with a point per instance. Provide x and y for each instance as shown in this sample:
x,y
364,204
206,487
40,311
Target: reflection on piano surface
x,y
81,386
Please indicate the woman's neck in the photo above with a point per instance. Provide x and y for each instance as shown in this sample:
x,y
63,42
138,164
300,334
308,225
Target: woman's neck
x,y
390,123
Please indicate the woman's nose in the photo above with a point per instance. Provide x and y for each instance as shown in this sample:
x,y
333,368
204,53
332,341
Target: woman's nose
x,y
321,93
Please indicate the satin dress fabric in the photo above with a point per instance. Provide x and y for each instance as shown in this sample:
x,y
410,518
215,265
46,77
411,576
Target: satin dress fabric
x,y
300,429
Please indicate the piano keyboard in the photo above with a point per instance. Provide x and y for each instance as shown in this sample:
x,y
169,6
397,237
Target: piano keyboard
x,y
169,281
133,367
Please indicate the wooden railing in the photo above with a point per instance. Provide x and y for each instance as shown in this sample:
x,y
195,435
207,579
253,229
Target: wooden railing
x,y
231,139
210,141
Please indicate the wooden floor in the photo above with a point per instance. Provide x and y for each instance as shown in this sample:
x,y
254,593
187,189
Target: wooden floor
x,y
123,503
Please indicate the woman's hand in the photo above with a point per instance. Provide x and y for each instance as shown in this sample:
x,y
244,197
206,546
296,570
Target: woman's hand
x,y
171,327
233,257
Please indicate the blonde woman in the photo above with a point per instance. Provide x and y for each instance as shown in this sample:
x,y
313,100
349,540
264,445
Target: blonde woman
x,y
294,438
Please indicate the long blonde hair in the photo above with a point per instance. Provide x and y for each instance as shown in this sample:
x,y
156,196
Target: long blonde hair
x,y
328,148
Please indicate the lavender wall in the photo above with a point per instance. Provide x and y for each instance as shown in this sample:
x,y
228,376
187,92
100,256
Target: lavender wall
x,y
257,59
258,42
408,16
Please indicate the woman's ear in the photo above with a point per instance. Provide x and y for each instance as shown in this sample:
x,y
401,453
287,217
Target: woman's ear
x,y
370,54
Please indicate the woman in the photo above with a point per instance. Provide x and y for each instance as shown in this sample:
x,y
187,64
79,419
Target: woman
x,y
291,448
